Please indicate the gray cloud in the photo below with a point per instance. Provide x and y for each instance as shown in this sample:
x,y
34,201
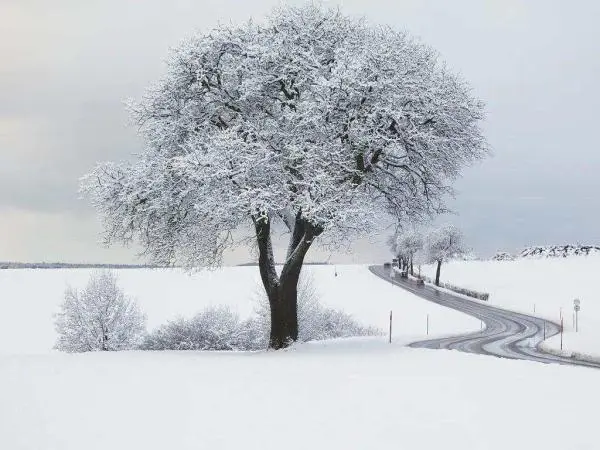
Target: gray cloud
x,y
68,65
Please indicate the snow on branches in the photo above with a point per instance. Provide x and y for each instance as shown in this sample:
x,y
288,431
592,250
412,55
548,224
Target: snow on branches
x,y
407,243
313,118
99,318
444,243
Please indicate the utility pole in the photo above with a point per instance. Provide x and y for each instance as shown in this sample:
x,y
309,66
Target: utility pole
x,y
390,327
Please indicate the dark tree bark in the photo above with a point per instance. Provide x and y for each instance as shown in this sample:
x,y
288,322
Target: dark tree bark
x,y
401,263
437,272
412,272
282,291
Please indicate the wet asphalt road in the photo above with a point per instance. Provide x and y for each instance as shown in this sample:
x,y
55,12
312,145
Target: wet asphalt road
x,y
506,334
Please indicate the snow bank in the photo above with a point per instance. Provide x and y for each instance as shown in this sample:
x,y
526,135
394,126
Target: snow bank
x,y
357,394
30,297
544,287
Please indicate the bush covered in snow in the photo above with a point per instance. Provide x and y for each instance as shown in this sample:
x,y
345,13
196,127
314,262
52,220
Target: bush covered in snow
x,y
215,328
316,322
221,329
99,318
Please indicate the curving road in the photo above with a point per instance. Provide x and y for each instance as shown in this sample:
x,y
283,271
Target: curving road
x,y
507,334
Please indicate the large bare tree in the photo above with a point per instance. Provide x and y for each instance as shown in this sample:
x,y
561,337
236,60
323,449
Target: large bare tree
x,y
313,119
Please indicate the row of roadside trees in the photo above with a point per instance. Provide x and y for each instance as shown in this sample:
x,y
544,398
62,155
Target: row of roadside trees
x,y
413,246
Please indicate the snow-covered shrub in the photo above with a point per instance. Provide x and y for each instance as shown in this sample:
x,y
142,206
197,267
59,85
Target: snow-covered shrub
x,y
215,328
459,290
99,318
316,322
218,328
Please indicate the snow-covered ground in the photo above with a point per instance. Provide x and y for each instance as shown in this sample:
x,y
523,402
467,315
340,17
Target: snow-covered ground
x,y
29,298
337,395
545,287
348,394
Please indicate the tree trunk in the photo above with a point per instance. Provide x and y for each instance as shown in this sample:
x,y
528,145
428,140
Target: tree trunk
x,y
282,291
412,272
437,272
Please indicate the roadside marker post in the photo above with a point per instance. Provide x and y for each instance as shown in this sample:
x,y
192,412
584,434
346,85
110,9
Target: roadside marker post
x,y
544,330
427,324
390,327
561,333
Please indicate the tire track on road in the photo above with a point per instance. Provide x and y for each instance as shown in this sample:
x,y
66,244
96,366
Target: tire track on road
x,y
507,334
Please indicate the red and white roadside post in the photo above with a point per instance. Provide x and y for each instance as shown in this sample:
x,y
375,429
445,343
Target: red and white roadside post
x,y
561,333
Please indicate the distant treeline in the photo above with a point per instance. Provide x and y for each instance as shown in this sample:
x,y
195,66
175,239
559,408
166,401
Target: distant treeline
x,y
59,265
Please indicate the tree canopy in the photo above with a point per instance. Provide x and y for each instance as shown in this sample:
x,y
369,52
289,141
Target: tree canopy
x,y
310,113
444,242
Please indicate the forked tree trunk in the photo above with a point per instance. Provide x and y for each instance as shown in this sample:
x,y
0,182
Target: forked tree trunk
x,y
437,272
282,291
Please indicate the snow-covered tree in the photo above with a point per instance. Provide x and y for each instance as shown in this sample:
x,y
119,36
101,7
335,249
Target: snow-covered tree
x,y
99,318
442,244
312,119
406,243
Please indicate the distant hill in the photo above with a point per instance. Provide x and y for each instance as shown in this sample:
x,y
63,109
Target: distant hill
x,y
558,251
549,251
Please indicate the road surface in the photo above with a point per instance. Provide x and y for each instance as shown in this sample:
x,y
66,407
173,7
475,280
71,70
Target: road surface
x,y
506,334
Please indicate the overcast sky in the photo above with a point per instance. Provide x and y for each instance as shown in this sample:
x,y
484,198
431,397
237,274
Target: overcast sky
x,y
67,65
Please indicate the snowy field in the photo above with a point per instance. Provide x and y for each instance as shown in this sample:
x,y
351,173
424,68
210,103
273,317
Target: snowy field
x,y
31,297
346,394
544,287
342,395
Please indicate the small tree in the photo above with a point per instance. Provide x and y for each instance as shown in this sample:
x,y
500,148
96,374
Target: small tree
x,y
406,244
99,318
311,119
443,243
